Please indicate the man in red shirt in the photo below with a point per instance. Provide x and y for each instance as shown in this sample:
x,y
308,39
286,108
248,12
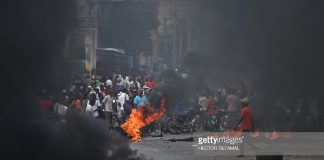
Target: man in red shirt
x,y
151,83
246,120
76,104
247,125
210,106
47,108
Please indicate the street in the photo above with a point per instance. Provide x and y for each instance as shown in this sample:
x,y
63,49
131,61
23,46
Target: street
x,y
162,149
222,79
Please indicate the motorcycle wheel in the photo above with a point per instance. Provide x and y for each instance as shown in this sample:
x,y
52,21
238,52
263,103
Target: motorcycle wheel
x,y
223,124
198,125
165,126
191,130
172,129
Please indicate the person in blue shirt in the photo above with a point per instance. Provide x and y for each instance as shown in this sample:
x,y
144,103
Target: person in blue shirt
x,y
140,99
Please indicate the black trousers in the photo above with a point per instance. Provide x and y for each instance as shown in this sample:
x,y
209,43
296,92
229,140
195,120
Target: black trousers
x,y
247,140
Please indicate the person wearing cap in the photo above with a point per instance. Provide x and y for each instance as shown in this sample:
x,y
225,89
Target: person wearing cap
x,y
246,120
145,87
247,125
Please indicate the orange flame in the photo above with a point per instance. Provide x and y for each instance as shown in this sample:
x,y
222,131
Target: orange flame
x,y
141,118
232,133
256,134
274,135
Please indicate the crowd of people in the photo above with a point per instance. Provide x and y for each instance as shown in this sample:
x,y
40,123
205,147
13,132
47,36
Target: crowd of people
x,y
111,98
221,100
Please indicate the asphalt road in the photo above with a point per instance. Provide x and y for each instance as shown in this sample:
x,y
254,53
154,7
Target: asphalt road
x,y
162,149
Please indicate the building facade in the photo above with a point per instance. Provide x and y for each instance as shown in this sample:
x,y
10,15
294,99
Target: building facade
x,y
174,37
81,40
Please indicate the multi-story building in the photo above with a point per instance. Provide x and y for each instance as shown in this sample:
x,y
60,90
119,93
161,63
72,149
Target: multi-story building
x,y
174,37
81,39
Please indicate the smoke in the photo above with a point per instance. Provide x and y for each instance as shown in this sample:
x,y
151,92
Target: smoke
x,y
78,138
174,88
277,41
32,42
273,48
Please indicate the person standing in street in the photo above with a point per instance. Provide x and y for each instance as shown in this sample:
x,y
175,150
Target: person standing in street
x,y
150,83
93,105
123,98
76,103
109,83
247,126
139,100
107,101
232,105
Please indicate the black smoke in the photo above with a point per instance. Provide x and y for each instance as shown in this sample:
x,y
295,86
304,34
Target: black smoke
x,y
276,45
32,40
280,41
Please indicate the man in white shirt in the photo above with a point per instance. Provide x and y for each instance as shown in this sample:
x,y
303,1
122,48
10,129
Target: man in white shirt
x,y
107,101
202,102
109,82
122,99
138,84
92,105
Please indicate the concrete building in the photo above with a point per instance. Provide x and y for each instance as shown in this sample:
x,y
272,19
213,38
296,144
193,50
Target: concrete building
x,y
176,35
81,40
173,38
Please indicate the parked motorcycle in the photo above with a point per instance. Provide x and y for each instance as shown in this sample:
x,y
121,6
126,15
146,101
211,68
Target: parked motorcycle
x,y
183,123
224,120
212,124
219,122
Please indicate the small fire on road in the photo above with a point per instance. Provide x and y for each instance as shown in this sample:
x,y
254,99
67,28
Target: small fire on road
x,y
138,119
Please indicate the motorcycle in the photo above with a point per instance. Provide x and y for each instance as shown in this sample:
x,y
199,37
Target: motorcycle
x,y
212,124
116,123
219,122
226,120
183,123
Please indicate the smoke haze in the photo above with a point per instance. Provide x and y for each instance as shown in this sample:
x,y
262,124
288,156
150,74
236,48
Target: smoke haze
x,y
32,37
279,41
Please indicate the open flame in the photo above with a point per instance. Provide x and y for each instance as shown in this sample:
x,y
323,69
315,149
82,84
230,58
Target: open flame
x,y
274,135
141,118
232,133
256,133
